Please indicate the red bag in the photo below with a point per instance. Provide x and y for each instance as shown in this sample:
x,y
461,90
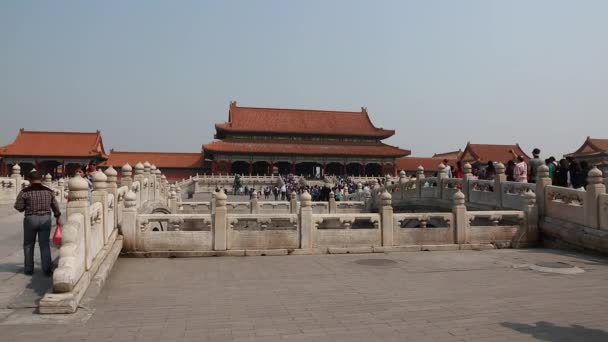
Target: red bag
x,y
57,235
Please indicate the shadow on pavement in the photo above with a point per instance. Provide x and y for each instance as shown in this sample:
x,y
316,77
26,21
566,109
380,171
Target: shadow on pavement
x,y
546,331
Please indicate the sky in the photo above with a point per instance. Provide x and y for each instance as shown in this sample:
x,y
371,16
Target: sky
x,y
157,75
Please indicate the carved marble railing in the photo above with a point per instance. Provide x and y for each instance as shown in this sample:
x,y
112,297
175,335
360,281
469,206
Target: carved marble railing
x,y
91,240
423,229
565,204
262,231
495,226
346,230
174,232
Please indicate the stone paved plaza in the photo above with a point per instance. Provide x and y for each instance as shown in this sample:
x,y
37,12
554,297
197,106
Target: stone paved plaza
x,y
417,296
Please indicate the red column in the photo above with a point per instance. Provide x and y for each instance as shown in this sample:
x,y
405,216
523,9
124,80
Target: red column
x,y
3,169
214,167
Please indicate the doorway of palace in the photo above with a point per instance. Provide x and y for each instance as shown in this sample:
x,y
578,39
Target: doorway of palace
x,y
373,169
240,168
334,169
261,168
354,169
283,167
308,169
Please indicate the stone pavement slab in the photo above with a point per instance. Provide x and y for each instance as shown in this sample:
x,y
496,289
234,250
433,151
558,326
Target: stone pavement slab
x,y
420,296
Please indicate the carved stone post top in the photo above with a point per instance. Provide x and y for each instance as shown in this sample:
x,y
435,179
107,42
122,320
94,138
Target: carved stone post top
x,y
130,199
61,182
99,180
468,169
79,189
459,198
172,194
172,187
420,170
500,168
293,195
359,185
139,169
16,169
594,176
163,177
543,171
306,199
48,177
220,199
386,198
402,177
441,167
147,166
530,197
111,172
153,167
126,169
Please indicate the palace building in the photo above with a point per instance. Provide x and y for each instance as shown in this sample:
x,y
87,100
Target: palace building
x,y
174,165
303,142
56,153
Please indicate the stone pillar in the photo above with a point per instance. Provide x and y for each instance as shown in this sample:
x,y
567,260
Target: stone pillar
x,y
293,203
441,172
386,215
147,187
367,201
542,181
48,180
498,180
61,189
594,189
220,222
100,194
163,187
307,226
178,192
126,179
254,204
79,204
139,177
172,200
332,208
531,222
468,175
153,182
460,221
129,222
419,180
111,175
402,182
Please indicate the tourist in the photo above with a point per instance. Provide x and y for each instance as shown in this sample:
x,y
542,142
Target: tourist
x,y
533,165
520,172
584,173
490,172
510,170
37,202
562,174
576,175
275,192
459,173
448,169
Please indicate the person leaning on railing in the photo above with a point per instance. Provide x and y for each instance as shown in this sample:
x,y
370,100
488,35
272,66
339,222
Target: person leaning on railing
x,y
37,202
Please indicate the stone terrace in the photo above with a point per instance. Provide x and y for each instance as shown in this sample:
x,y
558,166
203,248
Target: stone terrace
x,y
424,296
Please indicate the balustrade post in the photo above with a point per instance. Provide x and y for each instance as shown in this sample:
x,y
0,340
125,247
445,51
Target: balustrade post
x,y
48,181
16,175
332,208
468,175
500,178
254,204
386,219
61,188
153,183
293,203
100,194
531,222
129,222
140,177
367,200
419,180
163,187
126,179
402,182
542,181
307,226
213,202
147,186
360,195
460,221
112,188
595,188
442,175
79,204
172,200
220,222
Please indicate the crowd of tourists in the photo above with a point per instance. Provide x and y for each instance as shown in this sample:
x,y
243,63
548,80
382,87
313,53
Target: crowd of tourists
x,y
568,172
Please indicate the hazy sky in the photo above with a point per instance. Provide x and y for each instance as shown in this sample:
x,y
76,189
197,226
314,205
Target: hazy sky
x,y
157,75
